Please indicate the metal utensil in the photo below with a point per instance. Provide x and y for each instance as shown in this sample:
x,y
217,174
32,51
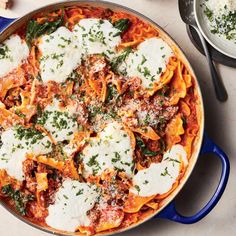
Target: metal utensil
x,y
187,15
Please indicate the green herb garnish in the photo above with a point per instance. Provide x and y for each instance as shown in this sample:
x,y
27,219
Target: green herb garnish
x,y
79,192
145,151
4,50
111,93
30,134
116,62
116,158
35,30
20,199
122,25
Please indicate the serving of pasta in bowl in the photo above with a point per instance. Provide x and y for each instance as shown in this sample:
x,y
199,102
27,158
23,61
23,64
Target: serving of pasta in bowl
x,y
101,120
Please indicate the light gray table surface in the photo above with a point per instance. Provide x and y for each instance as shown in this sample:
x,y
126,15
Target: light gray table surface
x,y
220,124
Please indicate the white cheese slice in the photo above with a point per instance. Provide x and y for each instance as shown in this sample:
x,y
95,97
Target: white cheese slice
x,y
15,145
149,61
13,52
110,150
159,177
61,54
73,107
60,123
97,36
72,202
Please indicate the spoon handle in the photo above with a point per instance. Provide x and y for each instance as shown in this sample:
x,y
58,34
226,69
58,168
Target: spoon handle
x,y
220,90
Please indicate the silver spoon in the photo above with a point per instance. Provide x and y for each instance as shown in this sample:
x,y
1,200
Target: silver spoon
x,y
187,15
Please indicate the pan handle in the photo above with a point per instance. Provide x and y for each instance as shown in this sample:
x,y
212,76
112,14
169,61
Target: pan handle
x,y
4,22
170,211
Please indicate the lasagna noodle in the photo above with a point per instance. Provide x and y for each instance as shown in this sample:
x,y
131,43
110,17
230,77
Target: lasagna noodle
x,y
59,165
166,77
174,130
14,79
134,203
8,118
178,85
147,132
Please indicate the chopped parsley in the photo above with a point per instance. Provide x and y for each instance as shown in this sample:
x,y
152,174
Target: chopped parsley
x,y
97,37
159,70
144,59
111,93
137,188
4,52
30,134
209,13
81,191
58,120
145,151
147,119
94,164
145,71
165,173
20,199
117,61
92,161
116,158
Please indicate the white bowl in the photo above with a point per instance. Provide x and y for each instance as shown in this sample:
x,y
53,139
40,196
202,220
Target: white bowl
x,y
221,44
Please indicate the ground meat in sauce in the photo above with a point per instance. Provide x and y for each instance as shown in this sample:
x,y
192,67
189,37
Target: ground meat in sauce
x,y
29,169
36,211
115,190
95,66
83,114
146,112
13,98
54,183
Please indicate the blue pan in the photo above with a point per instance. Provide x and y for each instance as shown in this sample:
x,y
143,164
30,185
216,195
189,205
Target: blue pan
x,y
203,143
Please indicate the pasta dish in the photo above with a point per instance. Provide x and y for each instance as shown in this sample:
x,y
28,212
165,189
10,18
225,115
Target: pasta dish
x,y
97,120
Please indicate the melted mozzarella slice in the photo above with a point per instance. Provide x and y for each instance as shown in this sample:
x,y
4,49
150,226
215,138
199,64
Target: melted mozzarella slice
x,y
16,143
149,61
61,54
60,123
72,202
13,52
97,36
159,177
72,107
111,150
